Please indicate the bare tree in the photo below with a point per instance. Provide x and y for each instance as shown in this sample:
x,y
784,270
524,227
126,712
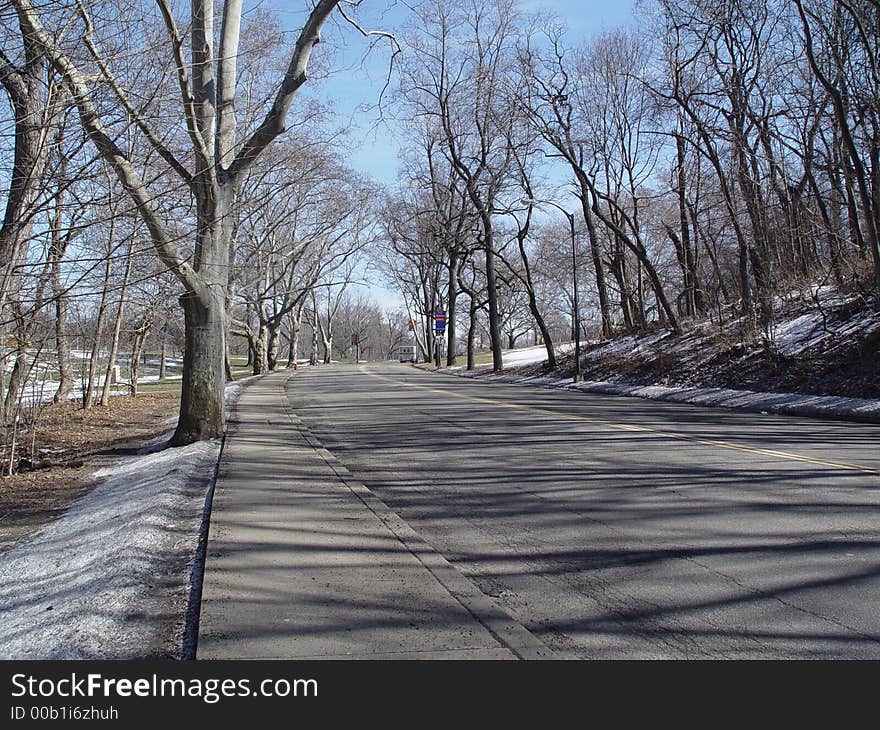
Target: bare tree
x,y
207,96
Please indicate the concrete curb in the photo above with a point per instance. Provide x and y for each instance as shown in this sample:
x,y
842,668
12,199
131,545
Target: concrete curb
x,y
861,410
502,627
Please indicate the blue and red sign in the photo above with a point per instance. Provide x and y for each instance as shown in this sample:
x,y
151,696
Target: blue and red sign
x,y
439,320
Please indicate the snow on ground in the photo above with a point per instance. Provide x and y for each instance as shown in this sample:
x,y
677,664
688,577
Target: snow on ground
x,y
532,355
40,386
791,336
797,334
527,355
794,332
81,587
43,391
96,583
628,345
859,409
808,330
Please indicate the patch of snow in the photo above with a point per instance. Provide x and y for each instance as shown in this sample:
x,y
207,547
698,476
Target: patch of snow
x,y
628,345
532,355
77,589
793,336
528,355
857,409
798,334
842,321
81,587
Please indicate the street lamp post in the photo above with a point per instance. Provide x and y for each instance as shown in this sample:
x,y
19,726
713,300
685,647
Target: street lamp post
x,y
574,277
577,309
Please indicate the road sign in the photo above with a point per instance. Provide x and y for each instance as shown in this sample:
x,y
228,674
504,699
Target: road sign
x,y
354,339
411,326
439,320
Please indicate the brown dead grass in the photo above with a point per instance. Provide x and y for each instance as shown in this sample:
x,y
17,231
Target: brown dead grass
x,y
70,445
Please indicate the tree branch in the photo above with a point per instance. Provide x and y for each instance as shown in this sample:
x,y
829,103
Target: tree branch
x,y
186,92
110,151
368,33
226,80
138,118
295,76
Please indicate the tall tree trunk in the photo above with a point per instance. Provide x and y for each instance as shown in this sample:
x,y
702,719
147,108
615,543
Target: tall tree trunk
x,y
57,250
529,283
492,293
202,404
596,255
313,352
117,326
261,349
137,348
272,344
62,346
326,332
33,113
618,270
452,294
758,247
163,349
640,295
204,375
686,258
19,366
295,324
472,330
88,395
542,328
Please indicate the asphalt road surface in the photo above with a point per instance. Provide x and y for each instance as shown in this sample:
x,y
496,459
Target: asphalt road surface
x,y
616,527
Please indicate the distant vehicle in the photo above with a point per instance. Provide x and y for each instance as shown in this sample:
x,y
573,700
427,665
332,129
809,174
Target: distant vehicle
x,y
407,353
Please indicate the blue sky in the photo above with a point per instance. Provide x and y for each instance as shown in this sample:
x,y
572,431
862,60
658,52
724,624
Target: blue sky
x,y
356,84
357,78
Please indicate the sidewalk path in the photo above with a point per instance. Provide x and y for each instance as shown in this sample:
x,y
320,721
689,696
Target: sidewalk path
x,y
305,562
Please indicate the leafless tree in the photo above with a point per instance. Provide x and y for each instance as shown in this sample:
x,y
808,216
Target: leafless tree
x,y
219,153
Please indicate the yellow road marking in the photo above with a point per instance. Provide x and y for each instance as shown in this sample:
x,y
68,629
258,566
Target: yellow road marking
x,y
630,427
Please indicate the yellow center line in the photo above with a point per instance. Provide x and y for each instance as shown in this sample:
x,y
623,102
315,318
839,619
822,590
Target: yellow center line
x,y
630,427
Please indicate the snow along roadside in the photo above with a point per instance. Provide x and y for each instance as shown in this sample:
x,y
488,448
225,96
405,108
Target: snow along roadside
x,y
110,579
793,404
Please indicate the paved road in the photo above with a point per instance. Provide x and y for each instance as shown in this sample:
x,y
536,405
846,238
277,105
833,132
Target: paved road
x,y
304,562
622,528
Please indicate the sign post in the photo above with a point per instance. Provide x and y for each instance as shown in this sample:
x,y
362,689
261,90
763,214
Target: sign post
x,y
357,348
439,331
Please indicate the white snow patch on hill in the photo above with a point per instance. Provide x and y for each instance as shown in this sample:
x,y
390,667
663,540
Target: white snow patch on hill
x,y
84,586
76,590
532,355
795,332
808,330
